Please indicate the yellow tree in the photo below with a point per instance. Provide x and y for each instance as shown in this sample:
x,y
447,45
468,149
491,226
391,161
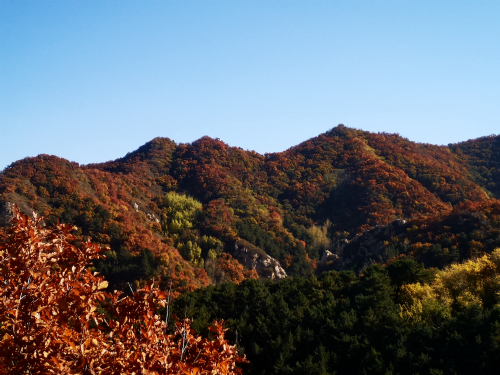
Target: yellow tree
x,y
475,281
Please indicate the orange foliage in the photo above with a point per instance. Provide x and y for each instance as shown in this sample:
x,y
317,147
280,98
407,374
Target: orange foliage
x,y
51,309
353,178
231,268
251,274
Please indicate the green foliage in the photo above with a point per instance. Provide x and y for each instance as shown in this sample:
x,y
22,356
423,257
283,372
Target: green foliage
x,y
192,252
93,220
483,156
276,248
340,191
211,246
261,238
300,325
320,236
121,267
408,271
341,323
179,213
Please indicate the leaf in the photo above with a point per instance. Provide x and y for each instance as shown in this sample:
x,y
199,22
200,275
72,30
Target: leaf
x,y
187,369
65,311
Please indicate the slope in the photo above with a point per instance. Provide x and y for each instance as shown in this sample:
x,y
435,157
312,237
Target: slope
x,y
172,211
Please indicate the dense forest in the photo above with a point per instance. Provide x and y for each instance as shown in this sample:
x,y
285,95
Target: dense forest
x,y
197,214
398,319
334,256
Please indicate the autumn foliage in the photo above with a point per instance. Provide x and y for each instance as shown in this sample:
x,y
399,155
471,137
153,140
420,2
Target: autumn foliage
x,y
57,318
169,211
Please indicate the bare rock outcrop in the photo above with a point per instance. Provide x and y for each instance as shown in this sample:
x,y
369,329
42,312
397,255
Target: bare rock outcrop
x,y
153,218
328,258
255,258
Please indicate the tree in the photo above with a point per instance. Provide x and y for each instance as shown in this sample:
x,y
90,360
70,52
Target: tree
x,y
232,269
180,212
473,282
56,316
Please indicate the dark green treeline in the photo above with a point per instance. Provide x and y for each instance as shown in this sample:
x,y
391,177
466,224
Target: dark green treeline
x,y
340,323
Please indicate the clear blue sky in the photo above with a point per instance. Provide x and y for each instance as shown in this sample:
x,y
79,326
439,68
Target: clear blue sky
x,y
92,80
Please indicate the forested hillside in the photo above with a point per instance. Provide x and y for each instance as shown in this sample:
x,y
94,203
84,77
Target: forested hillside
x,y
204,213
398,319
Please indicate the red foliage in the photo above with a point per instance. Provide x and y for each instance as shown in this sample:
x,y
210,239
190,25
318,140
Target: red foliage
x,y
220,220
52,313
355,179
232,269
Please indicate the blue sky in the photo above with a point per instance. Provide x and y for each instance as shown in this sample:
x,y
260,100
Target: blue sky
x,y
92,80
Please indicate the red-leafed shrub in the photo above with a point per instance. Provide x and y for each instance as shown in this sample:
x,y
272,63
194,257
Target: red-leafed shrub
x,y
57,318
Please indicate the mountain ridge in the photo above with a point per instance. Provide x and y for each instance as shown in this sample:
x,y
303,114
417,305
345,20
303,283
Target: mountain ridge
x,y
293,205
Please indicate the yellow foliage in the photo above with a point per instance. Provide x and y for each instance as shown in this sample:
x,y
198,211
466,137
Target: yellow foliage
x,y
179,212
472,282
192,252
212,254
421,302
320,236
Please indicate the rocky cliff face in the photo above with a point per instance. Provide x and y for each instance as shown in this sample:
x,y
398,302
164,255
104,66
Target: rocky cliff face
x,y
328,258
256,259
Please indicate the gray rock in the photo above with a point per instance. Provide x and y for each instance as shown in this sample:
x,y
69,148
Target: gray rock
x,y
328,257
255,258
152,217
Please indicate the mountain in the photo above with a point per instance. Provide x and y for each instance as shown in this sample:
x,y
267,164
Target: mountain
x,y
186,213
